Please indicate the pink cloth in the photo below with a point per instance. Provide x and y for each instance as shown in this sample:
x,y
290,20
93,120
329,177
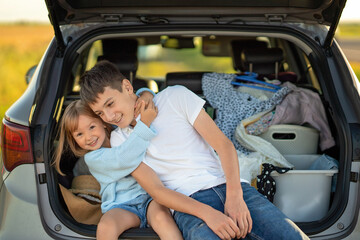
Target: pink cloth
x,y
304,106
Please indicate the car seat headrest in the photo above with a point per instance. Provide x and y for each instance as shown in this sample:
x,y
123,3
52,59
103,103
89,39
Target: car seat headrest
x,y
239,45
262,61
120,47
123,53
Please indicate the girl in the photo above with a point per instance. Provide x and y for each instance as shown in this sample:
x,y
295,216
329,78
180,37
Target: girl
x,y
124,203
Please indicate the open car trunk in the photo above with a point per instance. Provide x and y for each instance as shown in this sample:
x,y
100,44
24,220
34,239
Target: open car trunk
x,y
183,55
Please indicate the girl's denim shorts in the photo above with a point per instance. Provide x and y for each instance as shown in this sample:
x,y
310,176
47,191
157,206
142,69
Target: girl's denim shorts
x,y
137,206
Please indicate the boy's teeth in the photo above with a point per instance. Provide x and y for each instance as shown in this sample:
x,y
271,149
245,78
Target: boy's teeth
x,y
119,119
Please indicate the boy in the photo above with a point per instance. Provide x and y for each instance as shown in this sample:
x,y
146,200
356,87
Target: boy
x,y
182,155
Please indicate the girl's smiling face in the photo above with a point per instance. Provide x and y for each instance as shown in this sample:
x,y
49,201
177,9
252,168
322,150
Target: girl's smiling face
x,y
90,133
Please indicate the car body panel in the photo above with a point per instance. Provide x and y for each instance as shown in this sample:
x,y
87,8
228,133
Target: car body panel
x,y
19,112
356,232
19,206
51,223
344,226
140,30
316,11
80,26
22,110
24,191
320,12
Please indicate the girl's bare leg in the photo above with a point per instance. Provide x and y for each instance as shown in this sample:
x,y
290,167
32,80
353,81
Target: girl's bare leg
x,y
161,220
114,222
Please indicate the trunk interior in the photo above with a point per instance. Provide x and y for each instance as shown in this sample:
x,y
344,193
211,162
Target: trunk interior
x,y
307,129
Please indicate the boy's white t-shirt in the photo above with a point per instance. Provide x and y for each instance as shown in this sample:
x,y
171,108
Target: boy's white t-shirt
x,y
181,158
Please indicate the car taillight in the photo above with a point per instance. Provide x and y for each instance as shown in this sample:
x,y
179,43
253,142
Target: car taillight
x,y
15,145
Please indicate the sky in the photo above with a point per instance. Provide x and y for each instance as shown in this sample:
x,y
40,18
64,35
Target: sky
x,y
35,11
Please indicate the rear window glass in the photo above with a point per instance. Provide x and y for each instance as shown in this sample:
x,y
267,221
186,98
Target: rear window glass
x,y
155,61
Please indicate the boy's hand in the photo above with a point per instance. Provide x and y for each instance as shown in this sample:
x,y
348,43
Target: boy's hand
x,y
146,97
222,225
148,113
236,208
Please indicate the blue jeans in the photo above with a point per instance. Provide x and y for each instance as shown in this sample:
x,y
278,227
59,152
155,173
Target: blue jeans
x,y
268,221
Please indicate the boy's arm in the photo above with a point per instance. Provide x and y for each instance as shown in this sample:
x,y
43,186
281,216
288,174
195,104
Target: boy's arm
x,y
235,206
219,223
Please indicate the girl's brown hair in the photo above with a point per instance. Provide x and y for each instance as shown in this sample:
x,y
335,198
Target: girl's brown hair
x,y
68,124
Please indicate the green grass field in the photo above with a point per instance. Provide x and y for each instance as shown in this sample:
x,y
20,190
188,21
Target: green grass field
x,y
22,46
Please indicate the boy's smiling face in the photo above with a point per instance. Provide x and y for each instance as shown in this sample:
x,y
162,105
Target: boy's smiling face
x,y
116,107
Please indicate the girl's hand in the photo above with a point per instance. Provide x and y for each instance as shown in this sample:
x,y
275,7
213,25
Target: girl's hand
x,y
148,113
146,97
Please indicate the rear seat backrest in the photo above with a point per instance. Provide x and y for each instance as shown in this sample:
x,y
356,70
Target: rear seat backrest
x,y
191,80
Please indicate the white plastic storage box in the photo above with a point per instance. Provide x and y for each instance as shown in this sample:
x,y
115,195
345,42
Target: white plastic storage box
x,y
302,194
292,139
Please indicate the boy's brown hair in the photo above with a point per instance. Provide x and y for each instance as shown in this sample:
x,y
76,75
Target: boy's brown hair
x,y
103,74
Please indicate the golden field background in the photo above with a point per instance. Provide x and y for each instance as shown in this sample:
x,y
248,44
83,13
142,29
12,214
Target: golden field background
x,y
22,46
